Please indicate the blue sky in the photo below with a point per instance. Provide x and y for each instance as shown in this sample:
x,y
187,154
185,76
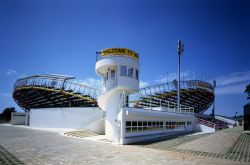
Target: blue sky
x,y
62,37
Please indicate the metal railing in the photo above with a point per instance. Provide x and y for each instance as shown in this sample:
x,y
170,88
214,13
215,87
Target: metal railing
x,y
168,106
152,104
57,82
206,123
172,86
109,84
153,96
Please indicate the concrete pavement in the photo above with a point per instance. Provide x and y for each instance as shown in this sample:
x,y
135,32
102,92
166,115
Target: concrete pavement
x,y
42,147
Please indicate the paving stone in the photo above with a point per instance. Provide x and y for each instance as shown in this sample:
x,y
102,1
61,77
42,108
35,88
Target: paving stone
x,y
42,147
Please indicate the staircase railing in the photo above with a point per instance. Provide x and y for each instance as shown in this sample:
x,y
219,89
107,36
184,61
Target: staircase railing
x,y
58,83
122,102
206,123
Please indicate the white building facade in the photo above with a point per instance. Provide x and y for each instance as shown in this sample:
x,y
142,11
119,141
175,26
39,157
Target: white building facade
x,y
120,69
88,118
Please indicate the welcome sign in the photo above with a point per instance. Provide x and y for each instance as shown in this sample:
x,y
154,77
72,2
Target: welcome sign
x,y
119,51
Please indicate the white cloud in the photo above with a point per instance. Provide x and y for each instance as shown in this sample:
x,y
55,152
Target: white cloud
x,y
230,89
143,84
232,83
10,72
233,78
172,76
5,95
91,82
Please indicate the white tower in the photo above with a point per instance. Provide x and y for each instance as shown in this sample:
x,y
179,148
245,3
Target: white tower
x,y
119,69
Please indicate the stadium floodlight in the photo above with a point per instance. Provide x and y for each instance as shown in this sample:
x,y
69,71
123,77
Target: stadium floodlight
x,y
180,51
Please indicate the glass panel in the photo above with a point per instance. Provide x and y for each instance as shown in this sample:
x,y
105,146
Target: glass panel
x,y
128,129
123,70
136,74
130,72
128,123
139,123
134,129
134,123
112,76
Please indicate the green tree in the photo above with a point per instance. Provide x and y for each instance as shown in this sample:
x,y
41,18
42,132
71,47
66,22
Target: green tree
x,y
6,115
247,90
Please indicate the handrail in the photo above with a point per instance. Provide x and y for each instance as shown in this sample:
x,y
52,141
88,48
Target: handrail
x,y
122,102
206,123
154,94
57,84
160,103
168,87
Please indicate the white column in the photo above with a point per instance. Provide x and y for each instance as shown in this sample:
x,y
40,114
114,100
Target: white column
x,y
123,125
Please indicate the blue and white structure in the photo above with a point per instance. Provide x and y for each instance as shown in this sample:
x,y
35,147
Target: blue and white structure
x,y
58,101
119,69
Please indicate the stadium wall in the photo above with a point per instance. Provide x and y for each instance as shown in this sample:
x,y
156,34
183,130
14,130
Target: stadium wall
x,y
19,118
90,118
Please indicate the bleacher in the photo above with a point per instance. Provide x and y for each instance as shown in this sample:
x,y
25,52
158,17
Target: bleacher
x,y
194,93
51,91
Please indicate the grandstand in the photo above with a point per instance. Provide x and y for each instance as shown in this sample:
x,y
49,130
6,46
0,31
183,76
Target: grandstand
x,y
53,91
194,93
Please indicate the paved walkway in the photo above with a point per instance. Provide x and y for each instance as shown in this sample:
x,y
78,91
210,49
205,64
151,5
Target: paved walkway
x,y
42,147
226,144
219,142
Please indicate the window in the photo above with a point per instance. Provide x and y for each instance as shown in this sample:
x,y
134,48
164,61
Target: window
x,y
127,100
123,70
128,123
107,76
136,74
128,129
139,123
112,75
130,72
134,129
134,123
139,126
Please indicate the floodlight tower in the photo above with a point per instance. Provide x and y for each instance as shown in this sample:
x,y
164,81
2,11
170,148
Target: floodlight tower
x,y
213,110
180,51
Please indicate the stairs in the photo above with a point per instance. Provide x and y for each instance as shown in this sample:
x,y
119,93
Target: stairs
x,y
212,123
206,123
80,134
